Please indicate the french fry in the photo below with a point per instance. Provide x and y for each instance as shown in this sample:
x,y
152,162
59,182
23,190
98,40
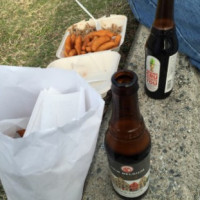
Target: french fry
x,y
89,44
83,52
102,33
72,52
73,38
92,42
106,46
68,44
66,54
117,40
99,41
85,41
88,49
78,44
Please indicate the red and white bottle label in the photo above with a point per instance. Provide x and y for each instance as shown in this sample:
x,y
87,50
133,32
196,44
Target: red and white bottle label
x,y
129,188
130,180
152,73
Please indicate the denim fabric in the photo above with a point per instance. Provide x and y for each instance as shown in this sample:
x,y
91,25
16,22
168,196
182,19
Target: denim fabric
x,y
187,19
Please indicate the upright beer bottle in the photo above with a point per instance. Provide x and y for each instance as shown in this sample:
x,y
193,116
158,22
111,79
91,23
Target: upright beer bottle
x,y
127,140
161,52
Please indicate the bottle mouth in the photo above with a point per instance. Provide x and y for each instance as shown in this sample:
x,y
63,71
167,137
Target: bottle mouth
x,y
125,79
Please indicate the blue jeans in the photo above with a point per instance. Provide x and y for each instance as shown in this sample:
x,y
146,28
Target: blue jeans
x,y
187,19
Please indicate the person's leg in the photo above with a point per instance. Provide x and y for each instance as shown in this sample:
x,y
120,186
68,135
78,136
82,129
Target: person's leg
x,y
186,15
143,10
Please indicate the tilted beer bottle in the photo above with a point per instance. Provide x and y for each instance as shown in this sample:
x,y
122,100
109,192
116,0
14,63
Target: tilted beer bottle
x,y
127,140
161,52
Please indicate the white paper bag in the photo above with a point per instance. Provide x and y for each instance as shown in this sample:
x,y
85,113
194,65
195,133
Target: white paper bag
x,y
49,164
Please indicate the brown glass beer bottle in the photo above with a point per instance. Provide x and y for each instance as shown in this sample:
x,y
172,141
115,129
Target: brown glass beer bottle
x,y
161,52
127,140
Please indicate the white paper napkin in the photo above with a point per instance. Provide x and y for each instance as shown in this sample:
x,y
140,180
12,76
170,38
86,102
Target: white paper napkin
x,y
53,109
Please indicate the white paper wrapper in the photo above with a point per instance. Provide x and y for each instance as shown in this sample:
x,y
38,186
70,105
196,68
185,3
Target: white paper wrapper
x,y
50,163
106,22
92,67
54,109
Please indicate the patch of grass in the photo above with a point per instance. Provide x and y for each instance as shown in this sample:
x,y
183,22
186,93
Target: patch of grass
x,y
31,30
2,194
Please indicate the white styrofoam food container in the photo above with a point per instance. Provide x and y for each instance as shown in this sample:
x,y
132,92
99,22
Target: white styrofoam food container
x,y
106,22
96,68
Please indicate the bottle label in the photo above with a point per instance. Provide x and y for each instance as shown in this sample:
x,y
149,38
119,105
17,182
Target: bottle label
x,y
170,73
152,73
130,180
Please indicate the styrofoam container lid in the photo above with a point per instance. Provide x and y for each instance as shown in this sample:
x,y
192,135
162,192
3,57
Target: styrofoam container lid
x,y
106,22
96,68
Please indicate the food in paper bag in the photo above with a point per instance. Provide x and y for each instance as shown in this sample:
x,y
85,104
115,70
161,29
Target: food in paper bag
x,y
50,162
21,132
113,26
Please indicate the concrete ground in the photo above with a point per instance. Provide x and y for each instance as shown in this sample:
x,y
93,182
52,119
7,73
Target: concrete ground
x,y
174,127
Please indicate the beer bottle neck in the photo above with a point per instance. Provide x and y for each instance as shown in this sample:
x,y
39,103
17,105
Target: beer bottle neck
x,y
126,122
125,107
164,19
